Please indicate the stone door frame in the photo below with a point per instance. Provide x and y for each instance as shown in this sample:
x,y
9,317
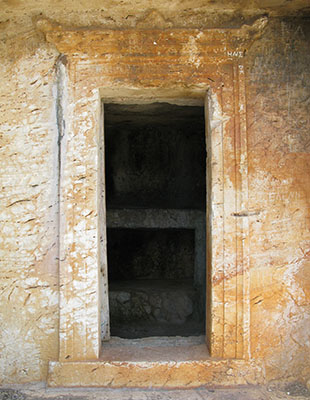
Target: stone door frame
x,y
173,65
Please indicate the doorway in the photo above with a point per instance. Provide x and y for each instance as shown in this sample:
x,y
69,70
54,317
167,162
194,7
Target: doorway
x,y
155,167
216,80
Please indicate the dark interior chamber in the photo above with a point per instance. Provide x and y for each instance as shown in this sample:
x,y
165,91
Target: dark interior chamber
x,y
155,160
155,156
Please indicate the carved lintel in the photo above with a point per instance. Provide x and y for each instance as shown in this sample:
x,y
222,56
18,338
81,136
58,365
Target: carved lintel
x,y
159,41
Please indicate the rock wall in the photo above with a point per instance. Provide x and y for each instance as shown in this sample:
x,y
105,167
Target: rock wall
x,y
29,242
279,162
278,93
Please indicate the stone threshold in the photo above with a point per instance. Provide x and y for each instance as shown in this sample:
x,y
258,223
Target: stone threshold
x,y
163,363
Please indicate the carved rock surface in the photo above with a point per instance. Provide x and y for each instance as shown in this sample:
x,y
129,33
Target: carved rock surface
x,y
277,92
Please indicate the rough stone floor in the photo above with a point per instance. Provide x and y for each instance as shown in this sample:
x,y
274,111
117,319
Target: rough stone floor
x,y
292,391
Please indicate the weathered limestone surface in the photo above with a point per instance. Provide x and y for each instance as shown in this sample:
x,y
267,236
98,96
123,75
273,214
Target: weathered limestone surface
x,y
29,238
279,190
17,16
278,92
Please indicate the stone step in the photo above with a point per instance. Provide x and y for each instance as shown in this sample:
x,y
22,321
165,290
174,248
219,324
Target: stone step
x,y
155,362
